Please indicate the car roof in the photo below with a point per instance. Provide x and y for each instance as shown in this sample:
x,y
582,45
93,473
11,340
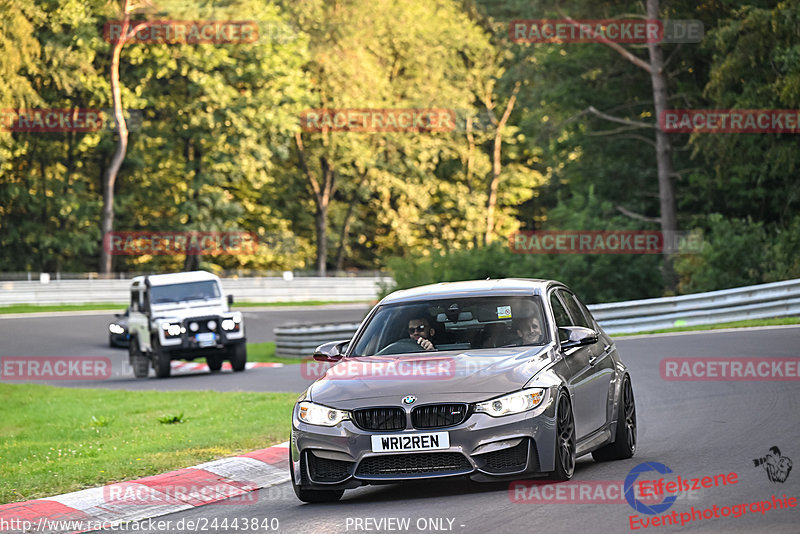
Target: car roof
x,y
175,278
472,288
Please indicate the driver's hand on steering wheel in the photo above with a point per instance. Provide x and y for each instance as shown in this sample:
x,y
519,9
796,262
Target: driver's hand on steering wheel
x,y
425,343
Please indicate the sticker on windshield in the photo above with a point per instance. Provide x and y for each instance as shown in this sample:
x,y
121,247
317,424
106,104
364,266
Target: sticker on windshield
x,y
503,312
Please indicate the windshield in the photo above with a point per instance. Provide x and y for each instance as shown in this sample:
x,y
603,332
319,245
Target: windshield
x,y
207,289
454,324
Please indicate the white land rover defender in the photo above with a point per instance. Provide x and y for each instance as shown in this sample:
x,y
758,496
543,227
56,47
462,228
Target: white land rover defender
x,y
183,316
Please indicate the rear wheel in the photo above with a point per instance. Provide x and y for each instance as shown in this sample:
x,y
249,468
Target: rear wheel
x,y
137,360
161,362
624,445
238,356
312,496
565,440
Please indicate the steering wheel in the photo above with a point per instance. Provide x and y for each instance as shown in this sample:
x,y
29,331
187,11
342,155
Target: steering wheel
x,y
400,346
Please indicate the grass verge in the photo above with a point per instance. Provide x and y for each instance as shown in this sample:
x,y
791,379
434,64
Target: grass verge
x,y
265,352
102,306
57,440
776,321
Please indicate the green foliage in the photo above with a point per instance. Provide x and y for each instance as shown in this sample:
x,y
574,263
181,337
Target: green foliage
x,y
171,419
739,252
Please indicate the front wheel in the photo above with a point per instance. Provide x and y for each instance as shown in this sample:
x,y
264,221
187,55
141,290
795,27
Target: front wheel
x,y
624,445
214,363
238,356
565,440
161,362
137,360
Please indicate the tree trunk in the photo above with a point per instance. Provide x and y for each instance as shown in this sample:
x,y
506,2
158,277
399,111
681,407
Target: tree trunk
x,y
666,193
110,177
323,193
491,201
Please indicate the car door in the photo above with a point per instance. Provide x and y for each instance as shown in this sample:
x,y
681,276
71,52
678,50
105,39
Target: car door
x,y
590,367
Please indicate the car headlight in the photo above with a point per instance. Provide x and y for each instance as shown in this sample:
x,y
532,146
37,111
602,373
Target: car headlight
x,y
232,323
520,401
316,414
172,329
115,329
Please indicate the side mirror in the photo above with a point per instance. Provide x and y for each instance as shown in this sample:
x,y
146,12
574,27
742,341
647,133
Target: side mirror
x,y
331,351
577,336
230,300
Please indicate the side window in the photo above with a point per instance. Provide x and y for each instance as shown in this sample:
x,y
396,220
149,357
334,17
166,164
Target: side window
x,y
578,318
135,301
562,319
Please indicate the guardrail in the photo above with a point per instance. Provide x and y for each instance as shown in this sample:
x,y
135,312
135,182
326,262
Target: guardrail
x,y
778,299
243,290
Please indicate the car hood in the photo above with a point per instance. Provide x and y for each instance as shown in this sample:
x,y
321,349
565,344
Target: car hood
x,y
469,376
190,309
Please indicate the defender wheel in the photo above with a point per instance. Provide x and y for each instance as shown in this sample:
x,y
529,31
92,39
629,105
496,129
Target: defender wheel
x,y
565,440
161,363
238,356
214,363
313,496
624,445
137,360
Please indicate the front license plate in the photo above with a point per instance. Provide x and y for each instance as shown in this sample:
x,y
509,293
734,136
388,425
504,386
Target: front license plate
x,y
411,442
206,339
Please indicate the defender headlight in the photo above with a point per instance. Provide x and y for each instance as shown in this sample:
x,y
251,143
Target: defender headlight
x,y
316,414
518,402
232,323
172,329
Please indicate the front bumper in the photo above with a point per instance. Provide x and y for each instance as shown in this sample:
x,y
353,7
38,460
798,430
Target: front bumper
x,y
483,448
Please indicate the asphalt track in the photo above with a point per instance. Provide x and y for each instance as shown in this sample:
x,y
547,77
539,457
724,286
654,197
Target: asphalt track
x,y
696,428
86,335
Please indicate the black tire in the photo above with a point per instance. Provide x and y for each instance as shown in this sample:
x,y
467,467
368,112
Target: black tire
x,y
238,356
161,361
624,445
313,496
138,361
565,440
214,363
111,342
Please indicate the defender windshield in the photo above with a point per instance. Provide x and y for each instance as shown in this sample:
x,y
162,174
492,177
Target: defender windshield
x,y
205,290
454,324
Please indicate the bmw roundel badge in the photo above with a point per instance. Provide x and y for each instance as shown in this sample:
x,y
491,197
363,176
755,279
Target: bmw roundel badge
x,y
410,399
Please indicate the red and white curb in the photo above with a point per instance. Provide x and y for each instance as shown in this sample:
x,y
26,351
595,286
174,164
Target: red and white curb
x,y
188,367
226,481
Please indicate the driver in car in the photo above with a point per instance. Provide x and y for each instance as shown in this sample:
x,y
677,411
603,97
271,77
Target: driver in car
x,y
421,331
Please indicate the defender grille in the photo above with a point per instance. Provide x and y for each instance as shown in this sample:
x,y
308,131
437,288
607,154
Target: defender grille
x,y
380,418
439,415
413,464
325,470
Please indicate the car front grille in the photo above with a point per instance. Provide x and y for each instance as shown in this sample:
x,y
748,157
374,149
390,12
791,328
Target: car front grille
x,y
413,464
326,470
439,415
202,324
510,459
380,418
